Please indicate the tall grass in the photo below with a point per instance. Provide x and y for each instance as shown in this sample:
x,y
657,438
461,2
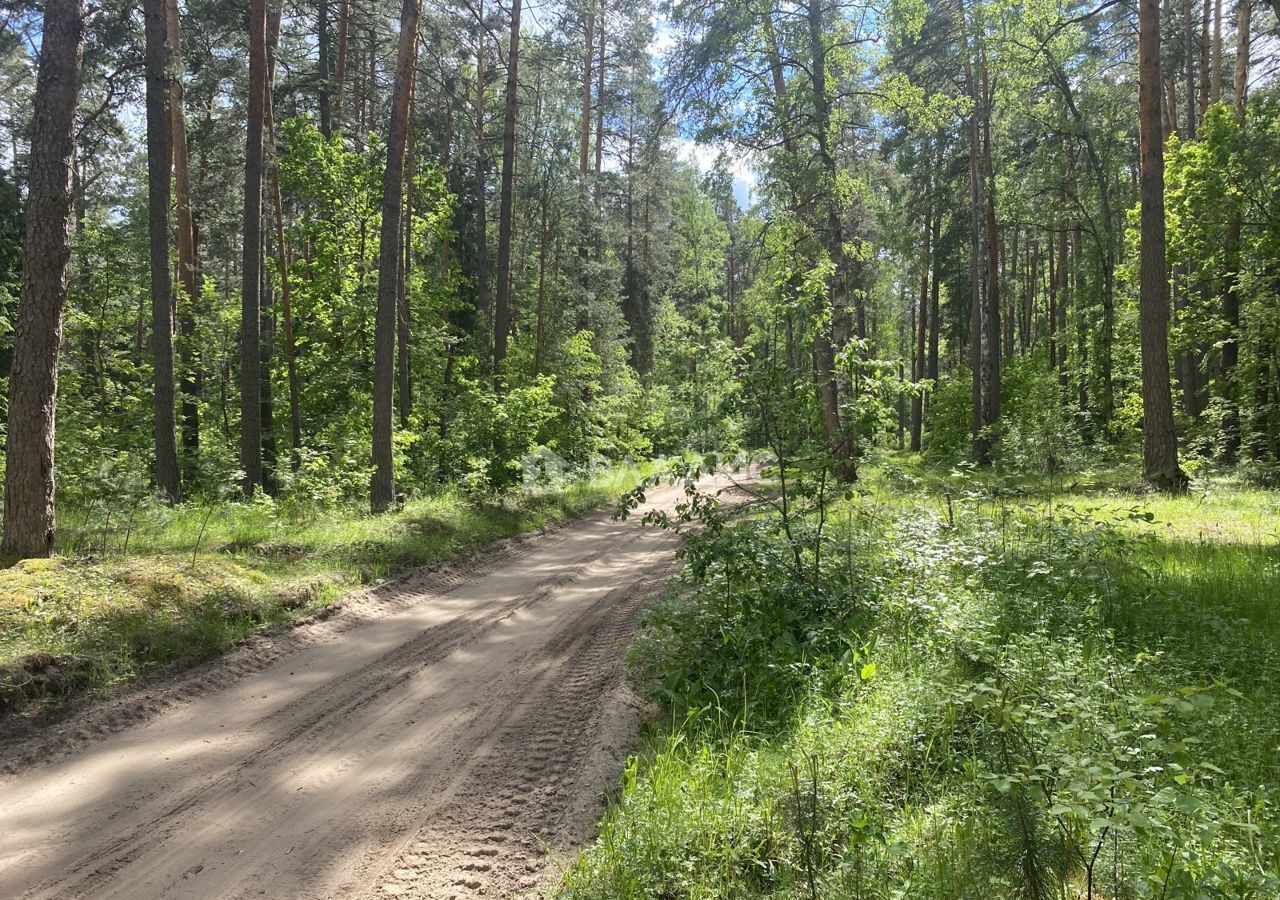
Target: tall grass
x,y
982,693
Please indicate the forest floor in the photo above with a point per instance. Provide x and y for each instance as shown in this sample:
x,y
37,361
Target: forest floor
x,y
446,734
138,587
962,684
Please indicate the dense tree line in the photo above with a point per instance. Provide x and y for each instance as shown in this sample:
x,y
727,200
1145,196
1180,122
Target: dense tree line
x,y
463,245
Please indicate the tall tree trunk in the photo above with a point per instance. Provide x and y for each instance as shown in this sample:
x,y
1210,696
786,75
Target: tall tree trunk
x,y
1160,443
284,257
1215,74
1012,303
921,331
1060,327
977,260
935,319
383,490
322,69
1189,72
584,137
267,328
991,311
483,303
1052,299
340,62
542,289
1082,345
1029,301
404,316
833,240
1107,348
1206,42
29,520
188,267
600,111
251,267
371,88
584,155
1231,276
168,479
506,212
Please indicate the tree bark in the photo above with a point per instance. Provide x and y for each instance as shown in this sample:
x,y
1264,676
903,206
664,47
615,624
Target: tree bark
x,y
600,112
404,317
267,328
833,241
1160,443
29,519
382,493
340,62
481,189
167,477
920,337
1231,253
1189,57
1206,43
991,312
934,300
322,69
983,389
284,256
506,212
251,267
1215,74
1013,303
584,137
1082,345
584,153
1060,327
542,288
188,266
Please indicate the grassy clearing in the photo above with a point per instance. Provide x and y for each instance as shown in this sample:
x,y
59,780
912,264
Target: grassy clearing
x,y
161,584
1017,694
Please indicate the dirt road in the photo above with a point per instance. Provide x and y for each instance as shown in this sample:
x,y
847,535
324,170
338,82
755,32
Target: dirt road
x,y
445,735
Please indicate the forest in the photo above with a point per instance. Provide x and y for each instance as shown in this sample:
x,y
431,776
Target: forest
x,y
955,325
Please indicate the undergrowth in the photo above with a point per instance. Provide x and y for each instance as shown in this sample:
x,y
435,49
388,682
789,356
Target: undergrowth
x,y
153,584
900,694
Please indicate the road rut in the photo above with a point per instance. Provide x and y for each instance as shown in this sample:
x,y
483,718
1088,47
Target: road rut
x,y
447,735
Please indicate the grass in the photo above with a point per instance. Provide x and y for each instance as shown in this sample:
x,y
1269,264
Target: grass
x,y
1037,690
161,584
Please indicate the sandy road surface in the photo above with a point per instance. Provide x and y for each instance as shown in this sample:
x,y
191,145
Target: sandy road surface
x,y
445,735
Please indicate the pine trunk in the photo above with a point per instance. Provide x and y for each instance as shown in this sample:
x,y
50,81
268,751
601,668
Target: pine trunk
x,y
1160,443
1231,276
483,303
404,317
322,69
188,267
340,62
284,258
158,189
920,339
251,268
506,212
382,494
29,519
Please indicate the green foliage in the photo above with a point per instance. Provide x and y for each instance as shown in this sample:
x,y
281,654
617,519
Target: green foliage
x,y
1040,429
11,235
982,700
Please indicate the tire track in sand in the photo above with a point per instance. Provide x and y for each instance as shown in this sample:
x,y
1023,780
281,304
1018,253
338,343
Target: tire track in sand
x,y
446,735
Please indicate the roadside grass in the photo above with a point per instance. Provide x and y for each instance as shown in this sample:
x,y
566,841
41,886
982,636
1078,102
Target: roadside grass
x,y
160,584
1019,694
